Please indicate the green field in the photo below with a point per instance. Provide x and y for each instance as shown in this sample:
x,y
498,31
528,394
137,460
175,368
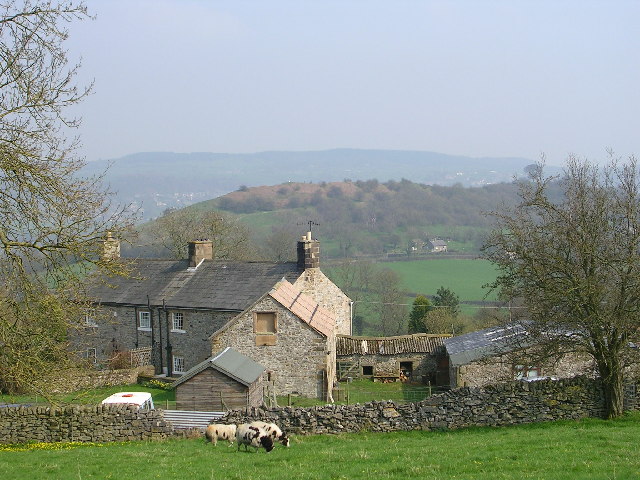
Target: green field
x,y
588,449
464,277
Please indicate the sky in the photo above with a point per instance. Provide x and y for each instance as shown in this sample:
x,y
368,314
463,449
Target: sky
x,y
478,78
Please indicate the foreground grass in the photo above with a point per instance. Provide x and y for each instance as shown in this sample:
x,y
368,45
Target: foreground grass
x,y
589,449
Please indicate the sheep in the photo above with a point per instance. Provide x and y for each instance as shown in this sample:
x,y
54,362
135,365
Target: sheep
x,y
217,431
247,434
273,430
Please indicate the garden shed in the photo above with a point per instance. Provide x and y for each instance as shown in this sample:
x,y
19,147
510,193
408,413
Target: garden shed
x,y
225,381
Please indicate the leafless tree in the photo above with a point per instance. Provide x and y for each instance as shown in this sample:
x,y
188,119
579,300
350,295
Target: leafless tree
x,y
230,237
574,263
51,219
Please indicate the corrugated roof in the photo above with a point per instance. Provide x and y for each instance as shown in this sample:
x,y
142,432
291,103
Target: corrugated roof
x,y
417,343
219,285
473,346
304,307
229,362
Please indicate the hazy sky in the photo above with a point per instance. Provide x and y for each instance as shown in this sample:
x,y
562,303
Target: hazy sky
x,y
477,78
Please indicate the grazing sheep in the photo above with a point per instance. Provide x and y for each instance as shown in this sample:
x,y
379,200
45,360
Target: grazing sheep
x,y
255,436
218,431
273,430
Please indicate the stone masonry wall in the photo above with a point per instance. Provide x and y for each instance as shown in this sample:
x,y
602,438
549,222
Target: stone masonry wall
x,y
505,404
316,284
96,423
299,357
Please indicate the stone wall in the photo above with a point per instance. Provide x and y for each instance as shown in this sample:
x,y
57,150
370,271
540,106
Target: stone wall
x,y
116,328
502,368
74,380
505,404
96,423
317,285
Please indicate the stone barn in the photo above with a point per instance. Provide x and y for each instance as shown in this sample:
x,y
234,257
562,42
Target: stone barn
x,y
415,358
225,381
505,353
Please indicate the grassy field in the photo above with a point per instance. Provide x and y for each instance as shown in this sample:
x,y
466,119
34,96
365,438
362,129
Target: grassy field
x,y
463,277
589,449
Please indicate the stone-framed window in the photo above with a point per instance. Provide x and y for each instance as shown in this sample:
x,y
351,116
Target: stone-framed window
x,y
178,364
177,322
265,327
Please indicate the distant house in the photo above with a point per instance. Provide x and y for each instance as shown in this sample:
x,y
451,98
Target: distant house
x,y
436,245
225,381
416,357
502,353
290,334
173,306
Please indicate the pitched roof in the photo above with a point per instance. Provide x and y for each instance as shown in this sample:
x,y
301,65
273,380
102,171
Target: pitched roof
x,y
304,307
215,284
416,343
229,362
473,346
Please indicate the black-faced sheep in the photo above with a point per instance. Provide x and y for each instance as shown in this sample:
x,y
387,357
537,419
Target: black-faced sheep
x,y
256,437
217,431
273,430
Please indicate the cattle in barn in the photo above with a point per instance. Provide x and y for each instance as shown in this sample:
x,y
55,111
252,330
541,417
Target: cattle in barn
x,y
256,437
273,430
218,431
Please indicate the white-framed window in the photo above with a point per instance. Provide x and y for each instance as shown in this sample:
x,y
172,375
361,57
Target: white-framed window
x,y
144,320
177,322
90,319
178,364
92,355
526,372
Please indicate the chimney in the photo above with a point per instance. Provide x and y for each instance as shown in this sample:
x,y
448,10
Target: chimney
x,y
200,250
110,248
308,252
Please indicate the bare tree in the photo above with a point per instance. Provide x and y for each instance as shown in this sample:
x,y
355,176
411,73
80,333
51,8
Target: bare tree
x,y
178,227
574,263
51,219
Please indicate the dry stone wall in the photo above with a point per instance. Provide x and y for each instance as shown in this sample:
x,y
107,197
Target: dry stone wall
x,y
97,423
507,404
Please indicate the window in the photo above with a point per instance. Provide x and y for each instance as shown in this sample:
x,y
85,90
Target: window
x,y
367,370
265,322
144,320
92,355
178,364
90,320
528,372
178,322
265,325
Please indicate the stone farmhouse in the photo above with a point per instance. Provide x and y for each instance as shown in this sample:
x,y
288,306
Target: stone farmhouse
x,y
290,334
173,307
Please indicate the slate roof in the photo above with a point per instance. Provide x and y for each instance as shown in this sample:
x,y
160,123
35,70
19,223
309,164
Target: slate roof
x,y
215,284
304,307
229,362
473,346
416,343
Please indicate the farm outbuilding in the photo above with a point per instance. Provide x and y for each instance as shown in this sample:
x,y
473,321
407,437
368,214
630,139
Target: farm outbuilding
x,y
417,357
225,381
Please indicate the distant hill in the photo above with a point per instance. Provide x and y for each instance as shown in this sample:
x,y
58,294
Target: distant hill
x,y
157,181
